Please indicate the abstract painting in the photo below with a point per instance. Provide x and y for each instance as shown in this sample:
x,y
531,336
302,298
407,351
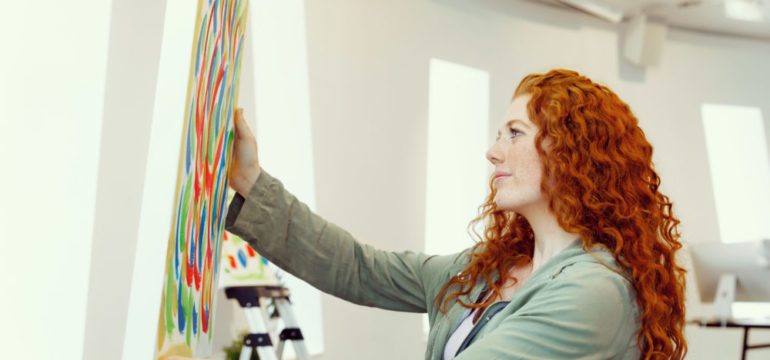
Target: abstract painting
x,y
196,233
243,266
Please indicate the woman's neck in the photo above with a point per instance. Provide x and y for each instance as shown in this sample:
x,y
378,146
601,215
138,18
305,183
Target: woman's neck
x,y
550,237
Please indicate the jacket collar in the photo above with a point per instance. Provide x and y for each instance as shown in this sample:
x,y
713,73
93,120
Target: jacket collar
x,y
551,268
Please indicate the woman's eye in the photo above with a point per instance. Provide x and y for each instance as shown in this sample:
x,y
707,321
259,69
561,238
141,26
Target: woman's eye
x,y
513,132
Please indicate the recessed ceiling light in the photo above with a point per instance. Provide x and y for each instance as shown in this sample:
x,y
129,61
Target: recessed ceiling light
x,y
744,10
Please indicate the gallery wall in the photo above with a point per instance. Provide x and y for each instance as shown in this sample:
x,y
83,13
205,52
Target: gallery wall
x,y
52,84
369,76
76,109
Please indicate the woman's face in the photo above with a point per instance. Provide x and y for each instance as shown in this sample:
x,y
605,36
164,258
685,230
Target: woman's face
x,y
518,168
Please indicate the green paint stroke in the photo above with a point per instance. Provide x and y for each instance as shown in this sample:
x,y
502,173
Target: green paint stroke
x,y
169,298
182,240
230,137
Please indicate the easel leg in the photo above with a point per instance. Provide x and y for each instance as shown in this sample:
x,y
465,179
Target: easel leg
x,y
291,331
245,352
745,342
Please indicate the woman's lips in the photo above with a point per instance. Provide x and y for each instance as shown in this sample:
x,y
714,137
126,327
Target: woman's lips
x,y
498,177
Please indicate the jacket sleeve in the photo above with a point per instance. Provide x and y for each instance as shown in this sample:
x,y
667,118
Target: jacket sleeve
x,y
584,314
286,232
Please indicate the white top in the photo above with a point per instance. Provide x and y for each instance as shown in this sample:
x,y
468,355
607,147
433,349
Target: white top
x,y
462,331
457,338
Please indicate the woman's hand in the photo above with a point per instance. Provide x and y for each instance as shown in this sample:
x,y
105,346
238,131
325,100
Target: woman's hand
x,y
244,166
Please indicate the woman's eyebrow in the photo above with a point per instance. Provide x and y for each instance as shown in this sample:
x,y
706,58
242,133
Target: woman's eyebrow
x,y
513,121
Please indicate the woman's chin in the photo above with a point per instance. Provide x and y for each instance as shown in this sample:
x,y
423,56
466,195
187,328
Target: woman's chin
x,y
504,205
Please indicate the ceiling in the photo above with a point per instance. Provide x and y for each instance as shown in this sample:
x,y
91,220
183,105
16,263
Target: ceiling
x,y
700,15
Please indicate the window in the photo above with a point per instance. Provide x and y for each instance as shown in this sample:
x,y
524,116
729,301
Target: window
x,y
740,172
457,176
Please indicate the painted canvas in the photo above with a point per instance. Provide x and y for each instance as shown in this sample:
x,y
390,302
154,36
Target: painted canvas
x,y
243,266
197,230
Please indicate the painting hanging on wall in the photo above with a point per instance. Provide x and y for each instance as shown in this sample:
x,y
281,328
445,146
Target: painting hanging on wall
x,y
197,231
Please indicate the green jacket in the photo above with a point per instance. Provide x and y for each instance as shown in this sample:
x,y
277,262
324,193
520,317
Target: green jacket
x,y
572,307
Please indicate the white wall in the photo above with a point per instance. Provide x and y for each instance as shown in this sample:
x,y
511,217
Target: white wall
x,y
369,80
52,80
368,67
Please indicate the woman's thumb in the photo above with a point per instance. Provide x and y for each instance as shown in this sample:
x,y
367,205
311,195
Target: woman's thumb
x,y
241,127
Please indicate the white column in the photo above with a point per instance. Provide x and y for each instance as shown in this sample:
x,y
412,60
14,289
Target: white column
x,y
160,181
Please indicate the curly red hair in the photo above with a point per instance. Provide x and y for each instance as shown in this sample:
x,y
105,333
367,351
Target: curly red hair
x,y
604,187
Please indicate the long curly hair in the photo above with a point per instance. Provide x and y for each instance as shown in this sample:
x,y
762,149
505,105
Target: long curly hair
x,y
602,185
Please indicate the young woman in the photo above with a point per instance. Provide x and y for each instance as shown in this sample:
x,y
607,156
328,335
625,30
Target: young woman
x,y
578,257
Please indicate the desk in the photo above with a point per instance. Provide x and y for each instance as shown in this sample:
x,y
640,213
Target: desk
x,y
745,324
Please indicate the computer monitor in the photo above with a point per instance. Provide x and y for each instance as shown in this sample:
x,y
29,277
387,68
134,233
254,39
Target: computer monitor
x,y
749,262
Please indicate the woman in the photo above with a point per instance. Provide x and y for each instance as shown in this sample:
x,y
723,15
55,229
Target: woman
x,y
574,222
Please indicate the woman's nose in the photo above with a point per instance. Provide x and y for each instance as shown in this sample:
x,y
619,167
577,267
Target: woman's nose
x,y
493,155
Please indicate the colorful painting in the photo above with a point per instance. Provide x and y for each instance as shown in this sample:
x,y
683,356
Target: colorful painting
x,y
243,266
195,238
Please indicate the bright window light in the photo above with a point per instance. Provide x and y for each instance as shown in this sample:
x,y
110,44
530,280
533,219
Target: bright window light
x,y
740,172
52,83
457,176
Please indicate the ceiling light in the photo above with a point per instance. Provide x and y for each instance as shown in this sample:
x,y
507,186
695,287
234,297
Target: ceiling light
x,y
744,10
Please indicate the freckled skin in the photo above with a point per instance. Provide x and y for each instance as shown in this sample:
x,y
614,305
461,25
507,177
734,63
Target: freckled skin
x,y
515,153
